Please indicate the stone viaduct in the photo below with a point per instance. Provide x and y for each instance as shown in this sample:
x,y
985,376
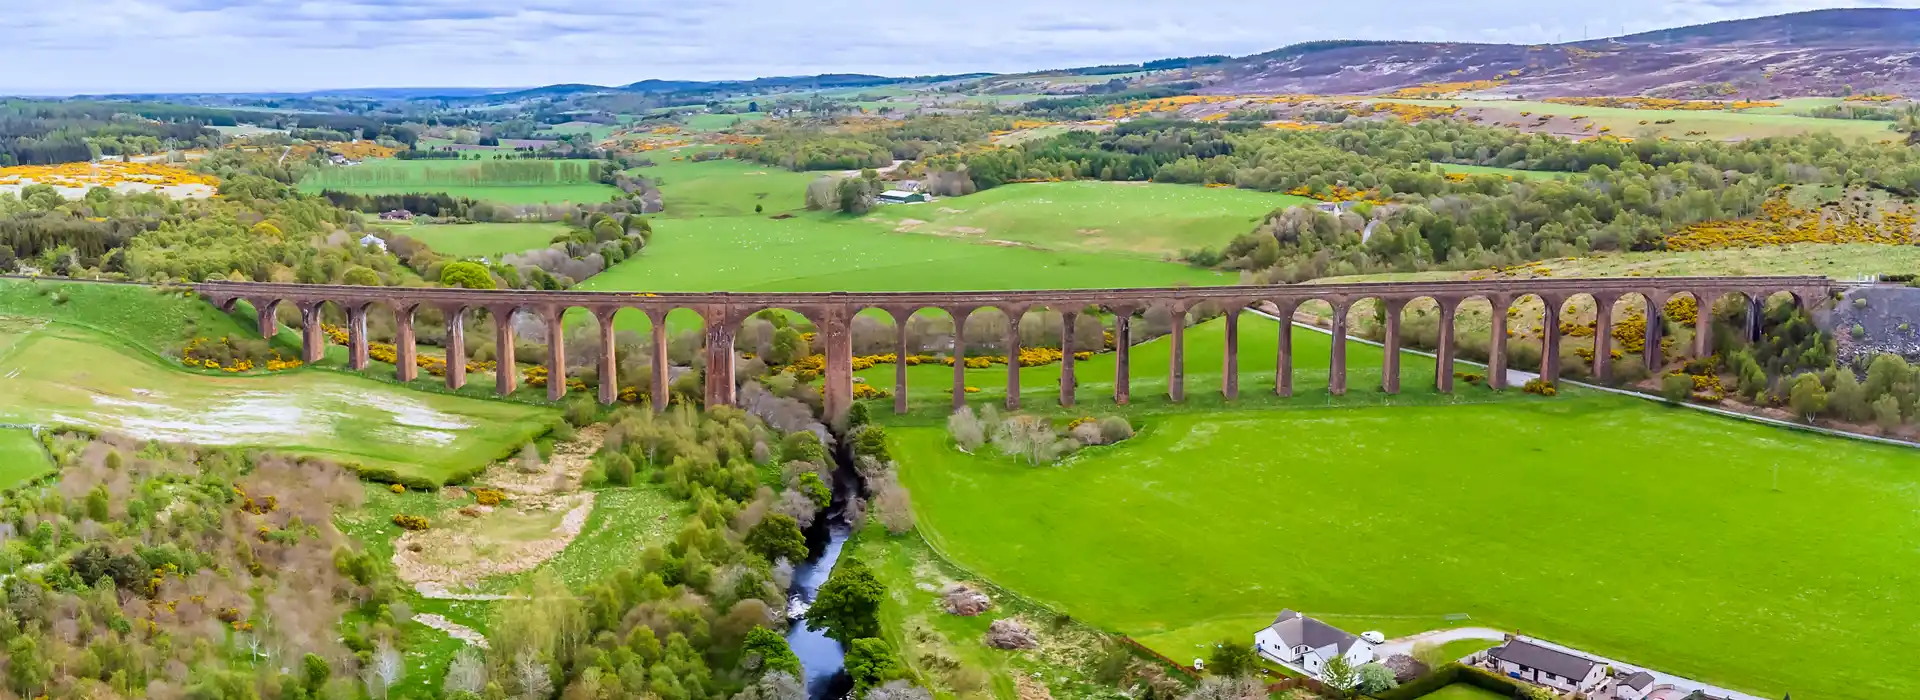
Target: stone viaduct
x,y
832,313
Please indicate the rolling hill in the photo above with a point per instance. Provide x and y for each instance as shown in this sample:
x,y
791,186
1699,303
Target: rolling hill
x,y
1816,53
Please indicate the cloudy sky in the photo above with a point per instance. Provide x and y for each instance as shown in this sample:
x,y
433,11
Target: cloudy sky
x,y
95,46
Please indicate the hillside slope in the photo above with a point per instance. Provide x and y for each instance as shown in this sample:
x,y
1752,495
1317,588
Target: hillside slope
x,y
1822,52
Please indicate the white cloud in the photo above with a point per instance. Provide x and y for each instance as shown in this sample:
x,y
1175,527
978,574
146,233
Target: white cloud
x,y
80,46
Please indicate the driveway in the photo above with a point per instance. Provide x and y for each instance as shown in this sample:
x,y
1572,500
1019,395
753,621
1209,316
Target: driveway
x,y
1404,645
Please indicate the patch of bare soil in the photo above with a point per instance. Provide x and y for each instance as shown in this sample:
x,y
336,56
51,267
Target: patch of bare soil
x,y
453,629
969,230
543,514
951,210
908,225
561,474
1088,231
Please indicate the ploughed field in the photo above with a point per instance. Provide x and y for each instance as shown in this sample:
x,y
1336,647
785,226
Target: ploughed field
x,y
1651,534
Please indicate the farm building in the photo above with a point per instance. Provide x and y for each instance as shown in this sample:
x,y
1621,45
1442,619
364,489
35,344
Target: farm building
x,y
1308,644
901,197
1549,667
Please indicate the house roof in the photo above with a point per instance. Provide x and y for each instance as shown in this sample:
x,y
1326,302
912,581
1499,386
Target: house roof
x,y
1537,657
1299,630
1638,681
898,194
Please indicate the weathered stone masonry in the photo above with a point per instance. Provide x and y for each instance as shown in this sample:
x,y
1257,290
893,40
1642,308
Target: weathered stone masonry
x,y
833,312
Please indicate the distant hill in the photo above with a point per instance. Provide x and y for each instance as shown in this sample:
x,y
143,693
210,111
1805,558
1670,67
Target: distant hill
x,y
1822,52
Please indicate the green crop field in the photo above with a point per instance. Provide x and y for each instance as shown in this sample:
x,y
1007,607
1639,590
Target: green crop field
x,y
21,458
66,375
592,130
481,240
1133,218
724,187
505,181
1650,534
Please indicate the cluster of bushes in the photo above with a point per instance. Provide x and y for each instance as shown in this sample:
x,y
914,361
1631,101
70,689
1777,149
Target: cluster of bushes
x,y
213,560
1030,437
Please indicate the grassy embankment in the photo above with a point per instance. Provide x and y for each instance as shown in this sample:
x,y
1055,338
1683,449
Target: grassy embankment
x,y
96,356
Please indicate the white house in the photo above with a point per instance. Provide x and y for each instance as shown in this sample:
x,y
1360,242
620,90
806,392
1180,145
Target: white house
x,y
1549,667
1634,687
1308,644
373,241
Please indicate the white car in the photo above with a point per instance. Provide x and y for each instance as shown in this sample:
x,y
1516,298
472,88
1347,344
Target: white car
x,y
1373,637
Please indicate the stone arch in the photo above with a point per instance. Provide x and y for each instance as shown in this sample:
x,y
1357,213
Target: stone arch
x,y
1743,310
1683,308
903,346
757,339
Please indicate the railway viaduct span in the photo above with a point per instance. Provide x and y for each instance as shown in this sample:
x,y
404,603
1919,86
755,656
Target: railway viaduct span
x,y
833,312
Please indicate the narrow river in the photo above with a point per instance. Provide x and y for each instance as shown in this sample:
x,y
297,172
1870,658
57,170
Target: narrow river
x,y
822,659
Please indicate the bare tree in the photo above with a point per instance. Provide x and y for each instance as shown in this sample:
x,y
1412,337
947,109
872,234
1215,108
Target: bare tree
x,y
387,662
535,684
1030,437
967,429
467,673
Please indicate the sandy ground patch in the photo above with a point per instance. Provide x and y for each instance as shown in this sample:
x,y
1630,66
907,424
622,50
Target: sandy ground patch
x,y
467,551
544,513
969,230
453,629
1088,231
908,225
951,210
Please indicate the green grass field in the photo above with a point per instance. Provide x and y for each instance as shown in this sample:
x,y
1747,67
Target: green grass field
x,y
1133,218
157,321
593,130
481,240
1462,691
930,385
65,375
561,181
720,122
1650,534
21,458
1509,172
725,187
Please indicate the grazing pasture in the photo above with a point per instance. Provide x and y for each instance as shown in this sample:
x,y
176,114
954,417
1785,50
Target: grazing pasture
x,y
1141,219
21,458
481,240
1655,535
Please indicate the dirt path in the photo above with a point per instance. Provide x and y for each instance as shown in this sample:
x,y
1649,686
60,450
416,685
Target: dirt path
x,y
543,514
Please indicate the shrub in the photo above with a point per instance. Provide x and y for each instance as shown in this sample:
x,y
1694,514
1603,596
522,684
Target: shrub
x,y
489,497
1857,331
1676,387
1859,302
410,522
1114,429
470,275
1886,412
397,488
1540,387
967,430
1808,396
580,410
